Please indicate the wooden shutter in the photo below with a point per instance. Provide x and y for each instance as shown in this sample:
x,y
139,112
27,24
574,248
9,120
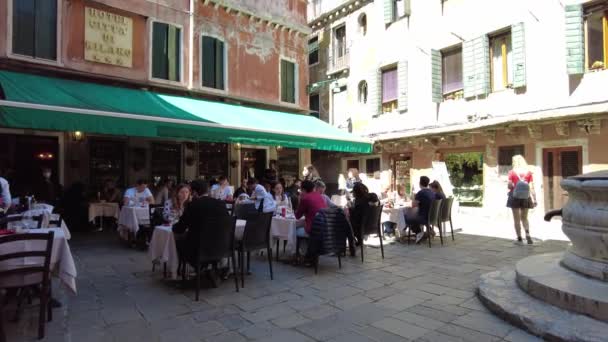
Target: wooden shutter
x,y
437,92
159,51
575,40
46,29
374,89
518,48
402,86
283,73
173,53
482,65
208,51
287,81
23,27
407,7
389,11
219,64
468,68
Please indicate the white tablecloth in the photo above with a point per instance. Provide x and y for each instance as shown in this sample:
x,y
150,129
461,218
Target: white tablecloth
x,y
163,249
46,218
62,262
285,229
130,218
395,215
103,210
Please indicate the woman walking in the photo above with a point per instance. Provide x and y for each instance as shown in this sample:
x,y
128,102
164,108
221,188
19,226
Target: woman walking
x,y
521,196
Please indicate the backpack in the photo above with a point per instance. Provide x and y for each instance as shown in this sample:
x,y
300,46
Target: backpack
x,y
521,189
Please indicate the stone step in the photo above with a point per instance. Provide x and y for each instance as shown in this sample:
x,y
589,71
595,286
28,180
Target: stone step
x,y
542,277
499,291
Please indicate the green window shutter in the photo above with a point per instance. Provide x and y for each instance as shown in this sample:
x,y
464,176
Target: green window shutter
x,y
173,53
46,29
389,11
208,49
287,81
437,93
518,43
481,47
159,51
219,64
402,79
575,40
374,92
468,68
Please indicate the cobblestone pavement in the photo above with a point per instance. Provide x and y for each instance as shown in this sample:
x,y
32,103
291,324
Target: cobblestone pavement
x,y
416,293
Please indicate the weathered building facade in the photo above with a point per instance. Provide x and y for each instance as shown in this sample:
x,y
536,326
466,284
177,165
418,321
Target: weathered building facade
x,y
468,82
246,53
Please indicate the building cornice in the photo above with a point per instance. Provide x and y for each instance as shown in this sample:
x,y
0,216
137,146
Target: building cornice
x,y
338,12
232,6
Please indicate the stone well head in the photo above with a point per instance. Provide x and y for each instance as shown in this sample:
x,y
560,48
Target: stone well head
x,y
585,222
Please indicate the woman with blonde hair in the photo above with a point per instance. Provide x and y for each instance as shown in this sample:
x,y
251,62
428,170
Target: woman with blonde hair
x,y
174,207
521,196
310,173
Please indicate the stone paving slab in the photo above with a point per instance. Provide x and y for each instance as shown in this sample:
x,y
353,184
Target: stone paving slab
x,y
414,294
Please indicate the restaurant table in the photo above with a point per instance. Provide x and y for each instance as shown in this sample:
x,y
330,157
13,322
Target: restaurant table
x,y
284,229
163,248
130,218
103,209
46,218
397,216
62,262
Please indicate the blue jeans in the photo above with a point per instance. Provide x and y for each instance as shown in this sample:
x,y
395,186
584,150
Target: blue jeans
x,y
301,232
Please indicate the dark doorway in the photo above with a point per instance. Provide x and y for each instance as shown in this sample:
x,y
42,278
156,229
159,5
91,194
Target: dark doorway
x,y
166,162
559,163
253,163
107,158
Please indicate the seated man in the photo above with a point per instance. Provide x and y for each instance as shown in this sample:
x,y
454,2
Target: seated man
x,y
140,194
423,200
259,193
310,203
320,188
192,223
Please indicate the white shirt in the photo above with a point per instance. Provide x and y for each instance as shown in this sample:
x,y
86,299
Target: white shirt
x,y
136,196
6,194
269,204
218,193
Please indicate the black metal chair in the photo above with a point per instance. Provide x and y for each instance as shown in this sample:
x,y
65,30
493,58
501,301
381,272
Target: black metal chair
x,y
38,219
144,234
243,210
256,236
446,214
371,225
4,221
215,245
42,269
433,220
55,222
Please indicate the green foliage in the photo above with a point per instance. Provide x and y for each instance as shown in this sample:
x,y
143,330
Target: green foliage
x,y
466,175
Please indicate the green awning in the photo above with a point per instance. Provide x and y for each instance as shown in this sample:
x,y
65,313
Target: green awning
x,y
36,102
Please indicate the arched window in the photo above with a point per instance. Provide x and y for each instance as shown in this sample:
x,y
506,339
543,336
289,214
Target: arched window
x,y
363,24
362,92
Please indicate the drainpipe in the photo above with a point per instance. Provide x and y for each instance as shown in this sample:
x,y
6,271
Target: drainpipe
x,y
191,44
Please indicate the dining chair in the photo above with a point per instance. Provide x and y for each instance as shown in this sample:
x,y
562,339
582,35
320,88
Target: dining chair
x,y
42,269
38,219
256,236
244,210
4,221
371,225
433,220
215,245
144,234
446,215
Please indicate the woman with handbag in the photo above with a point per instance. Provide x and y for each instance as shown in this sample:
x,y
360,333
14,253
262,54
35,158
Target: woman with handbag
x,y
521,196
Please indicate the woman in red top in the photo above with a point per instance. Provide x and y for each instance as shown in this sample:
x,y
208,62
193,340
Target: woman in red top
x,y
520,206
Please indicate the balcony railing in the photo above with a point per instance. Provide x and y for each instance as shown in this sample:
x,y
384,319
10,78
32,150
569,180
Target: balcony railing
x,y
339,59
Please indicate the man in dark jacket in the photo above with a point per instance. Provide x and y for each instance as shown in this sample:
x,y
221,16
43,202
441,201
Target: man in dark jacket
x,y
194,223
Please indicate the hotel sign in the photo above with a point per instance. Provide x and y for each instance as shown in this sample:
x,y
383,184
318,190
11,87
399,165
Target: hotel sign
x,y
108,38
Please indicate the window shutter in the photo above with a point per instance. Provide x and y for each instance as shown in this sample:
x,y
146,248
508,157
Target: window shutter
x,y
402,79
159,50
575,43
283,72
468,68
208,50
389,10
518,43
173,53
407,7
219,64
436,76
374,89
482,65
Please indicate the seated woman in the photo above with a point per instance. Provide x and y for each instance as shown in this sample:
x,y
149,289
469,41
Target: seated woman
x,y
438,190
280,197
110,192
363,199
174,207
